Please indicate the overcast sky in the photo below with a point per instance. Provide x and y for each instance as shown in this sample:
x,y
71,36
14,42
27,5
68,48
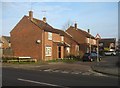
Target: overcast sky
x,y
99,17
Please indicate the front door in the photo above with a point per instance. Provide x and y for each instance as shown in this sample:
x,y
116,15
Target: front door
x,y
59,52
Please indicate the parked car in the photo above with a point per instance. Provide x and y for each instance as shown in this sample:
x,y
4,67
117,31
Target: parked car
x,y
110,53
91,57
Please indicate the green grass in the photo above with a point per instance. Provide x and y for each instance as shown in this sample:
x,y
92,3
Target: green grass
x,y
22,62
27,62
65,60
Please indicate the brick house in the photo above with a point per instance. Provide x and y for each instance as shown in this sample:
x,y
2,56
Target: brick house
x,y
5,42
5,46
37,39
87,42
1,43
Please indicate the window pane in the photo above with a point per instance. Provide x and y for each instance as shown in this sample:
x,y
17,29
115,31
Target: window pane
x,y
48,51
49,36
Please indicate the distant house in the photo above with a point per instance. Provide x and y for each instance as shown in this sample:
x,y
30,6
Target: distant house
x,y
5,42
87,42
107,44
37,39
118,44
1,43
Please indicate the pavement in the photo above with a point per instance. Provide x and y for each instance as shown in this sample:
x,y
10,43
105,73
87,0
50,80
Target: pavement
x,y
107,67
86,68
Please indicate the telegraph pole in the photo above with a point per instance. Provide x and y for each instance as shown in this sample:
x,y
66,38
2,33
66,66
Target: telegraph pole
x,y
89,41
97,38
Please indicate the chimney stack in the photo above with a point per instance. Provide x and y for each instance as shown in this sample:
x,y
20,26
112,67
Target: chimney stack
x,y
88,30
31,15
76,26
44,19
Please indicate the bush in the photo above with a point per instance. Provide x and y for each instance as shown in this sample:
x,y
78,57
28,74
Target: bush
x,y
73,57
5,59
17,59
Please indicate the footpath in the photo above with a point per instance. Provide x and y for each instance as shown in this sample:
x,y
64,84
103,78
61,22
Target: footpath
x,y
107,67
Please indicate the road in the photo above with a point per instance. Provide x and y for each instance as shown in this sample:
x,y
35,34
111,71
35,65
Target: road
x,y
22,77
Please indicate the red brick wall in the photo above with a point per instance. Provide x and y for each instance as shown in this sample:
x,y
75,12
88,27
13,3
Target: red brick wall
x,y
72,46
80,38
55,38
23,39
77,35
47,43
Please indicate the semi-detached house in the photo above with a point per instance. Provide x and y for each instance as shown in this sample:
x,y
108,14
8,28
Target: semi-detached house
x,y
87,42
35,38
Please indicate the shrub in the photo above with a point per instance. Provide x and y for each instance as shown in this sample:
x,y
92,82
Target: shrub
x,y
73,57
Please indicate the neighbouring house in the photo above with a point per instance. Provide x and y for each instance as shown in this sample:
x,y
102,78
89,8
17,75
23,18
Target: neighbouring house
x,y
35,38
5,46
5,42
1,43
87,42
107,44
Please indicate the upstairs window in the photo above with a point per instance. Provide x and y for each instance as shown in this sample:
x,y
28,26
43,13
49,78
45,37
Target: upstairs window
x,y
49,36
62,38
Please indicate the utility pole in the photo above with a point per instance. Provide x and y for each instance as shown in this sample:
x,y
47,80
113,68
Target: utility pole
x,y
97,50
97,38
89,41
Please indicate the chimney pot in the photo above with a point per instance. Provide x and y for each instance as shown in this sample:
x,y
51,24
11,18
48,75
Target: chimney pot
x,y
88,30
44,19
76,26
31,15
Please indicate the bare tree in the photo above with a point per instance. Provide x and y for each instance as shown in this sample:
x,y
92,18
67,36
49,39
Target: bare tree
x,y
67,25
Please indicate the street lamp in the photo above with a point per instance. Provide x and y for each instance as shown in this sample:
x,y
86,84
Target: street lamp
x,y
89,41
97,38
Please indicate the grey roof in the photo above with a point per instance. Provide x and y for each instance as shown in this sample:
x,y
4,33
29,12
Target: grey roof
x,y
108,40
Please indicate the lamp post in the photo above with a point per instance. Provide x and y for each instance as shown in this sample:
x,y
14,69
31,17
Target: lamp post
x,y
97,50
89,41
97,38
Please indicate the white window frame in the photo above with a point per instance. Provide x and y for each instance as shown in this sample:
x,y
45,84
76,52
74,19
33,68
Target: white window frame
x,y
77,48
48,51
49,36
88,40
68,49
62,38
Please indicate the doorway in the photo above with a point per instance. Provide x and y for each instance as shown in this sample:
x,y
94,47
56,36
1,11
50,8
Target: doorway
x,y
59,51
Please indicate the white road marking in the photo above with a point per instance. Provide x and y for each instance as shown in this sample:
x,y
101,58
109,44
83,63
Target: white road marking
x,y
75,72
42,83
64,72
86,73
56,71
97,74
48,70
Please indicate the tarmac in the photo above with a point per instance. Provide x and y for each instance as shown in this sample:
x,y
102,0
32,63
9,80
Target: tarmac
x,y
106,68
102,67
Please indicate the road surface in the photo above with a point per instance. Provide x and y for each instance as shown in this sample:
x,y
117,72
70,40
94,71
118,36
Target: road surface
x,y
22,77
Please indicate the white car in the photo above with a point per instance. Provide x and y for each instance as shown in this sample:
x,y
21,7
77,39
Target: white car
x,y
110,53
